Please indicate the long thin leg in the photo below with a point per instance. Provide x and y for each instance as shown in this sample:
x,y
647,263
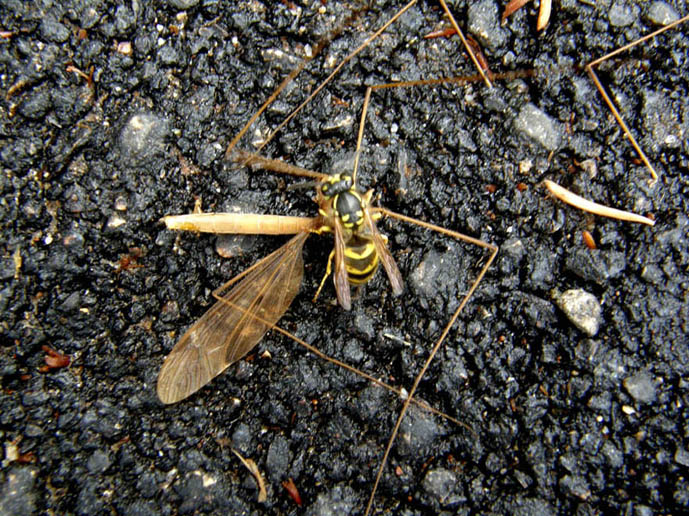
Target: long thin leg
x,y
372,379
336,70
315,92
275,165
218,295
611,105
423,82
325,41
493,251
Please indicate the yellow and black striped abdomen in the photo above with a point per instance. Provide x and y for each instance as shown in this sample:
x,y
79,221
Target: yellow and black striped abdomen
x,y
361,260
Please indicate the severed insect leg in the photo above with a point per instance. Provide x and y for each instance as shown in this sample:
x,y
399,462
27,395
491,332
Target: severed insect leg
x,y
590,69
336,70
492,253
240,223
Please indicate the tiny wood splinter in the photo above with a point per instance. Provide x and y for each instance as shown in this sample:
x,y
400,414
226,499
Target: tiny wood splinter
x,y
592,207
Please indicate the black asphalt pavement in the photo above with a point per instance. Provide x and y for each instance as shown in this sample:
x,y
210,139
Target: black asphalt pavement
x,y
114,115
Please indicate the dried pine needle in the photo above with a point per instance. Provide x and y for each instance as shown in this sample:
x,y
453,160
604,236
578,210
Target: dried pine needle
x,y
598,209
253,469
543,14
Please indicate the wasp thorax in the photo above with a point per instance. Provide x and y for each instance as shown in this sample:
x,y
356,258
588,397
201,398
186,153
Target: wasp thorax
x,y
348,207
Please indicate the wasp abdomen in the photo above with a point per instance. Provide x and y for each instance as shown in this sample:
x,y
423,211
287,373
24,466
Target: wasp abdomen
x,y
361,261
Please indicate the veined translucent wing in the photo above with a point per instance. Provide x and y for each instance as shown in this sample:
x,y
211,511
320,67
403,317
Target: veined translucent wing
x,y
384,255
340,277
235,324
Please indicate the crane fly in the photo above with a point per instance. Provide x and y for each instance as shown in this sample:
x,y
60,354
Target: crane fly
x,y
252,303
254,308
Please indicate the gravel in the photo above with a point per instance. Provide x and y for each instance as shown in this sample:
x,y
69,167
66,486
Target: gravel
x,y
115,116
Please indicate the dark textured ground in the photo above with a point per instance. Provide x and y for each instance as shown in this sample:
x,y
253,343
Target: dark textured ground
x,y
563,422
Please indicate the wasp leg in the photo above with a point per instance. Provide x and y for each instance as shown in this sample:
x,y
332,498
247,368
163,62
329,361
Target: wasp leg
x,y
358,290
328,272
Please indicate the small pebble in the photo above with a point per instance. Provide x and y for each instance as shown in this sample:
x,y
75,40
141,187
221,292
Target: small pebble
x,y
641,387
582,309
53,30
19,494
622,14
661,13
682,457
98,462
483,22
143,135
115,221
183,4
121,203
538,126
440,483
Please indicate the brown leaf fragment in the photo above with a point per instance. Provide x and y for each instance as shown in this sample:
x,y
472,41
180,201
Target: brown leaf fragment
x,y
292,491
53,360
253,469
512,7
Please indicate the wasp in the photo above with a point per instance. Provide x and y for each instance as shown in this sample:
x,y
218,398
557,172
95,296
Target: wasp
x,y
254,301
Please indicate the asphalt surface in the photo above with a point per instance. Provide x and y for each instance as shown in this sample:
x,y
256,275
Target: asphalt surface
x,y
561,420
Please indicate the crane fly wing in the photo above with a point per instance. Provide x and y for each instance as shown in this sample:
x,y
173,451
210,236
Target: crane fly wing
x,y
340,274
235,323
389,263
